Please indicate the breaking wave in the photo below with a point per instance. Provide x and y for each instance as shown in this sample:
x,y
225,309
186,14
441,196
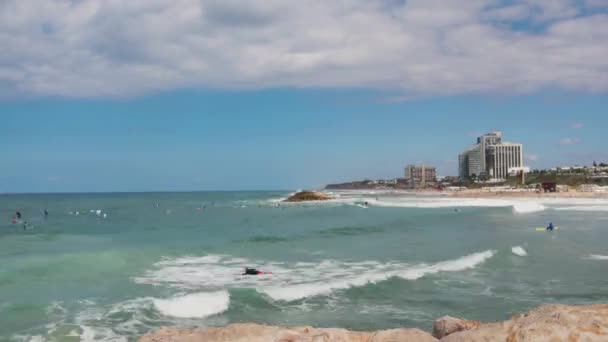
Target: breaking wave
x,y
584,208
518,205
195,305
519,251
292,281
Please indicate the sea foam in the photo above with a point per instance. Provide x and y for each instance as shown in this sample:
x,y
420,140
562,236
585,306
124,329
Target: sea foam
x,y
305,290
584,208
291,281
527,207
518,205
519,251
195,305
598,257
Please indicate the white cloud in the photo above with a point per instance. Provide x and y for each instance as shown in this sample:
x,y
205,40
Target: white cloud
x,y
414,47
569,141
578,125
594,4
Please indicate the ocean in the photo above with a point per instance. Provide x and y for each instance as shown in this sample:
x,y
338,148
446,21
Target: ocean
x,y
111,267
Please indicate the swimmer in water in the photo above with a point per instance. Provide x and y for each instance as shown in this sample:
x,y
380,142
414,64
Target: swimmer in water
x,y
253,271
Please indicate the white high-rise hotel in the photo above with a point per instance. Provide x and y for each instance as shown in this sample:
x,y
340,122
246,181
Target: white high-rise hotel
x,y
490,157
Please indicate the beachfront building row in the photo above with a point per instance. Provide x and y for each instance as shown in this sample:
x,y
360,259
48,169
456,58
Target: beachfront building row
x,y
420,175
490,158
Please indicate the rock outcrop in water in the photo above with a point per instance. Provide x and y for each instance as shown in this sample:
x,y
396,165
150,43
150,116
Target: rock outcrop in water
x,y
304,196
546,324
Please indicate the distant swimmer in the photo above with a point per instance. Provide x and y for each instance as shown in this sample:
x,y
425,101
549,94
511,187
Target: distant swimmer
x,y
550,227
46,213
253,271
18,214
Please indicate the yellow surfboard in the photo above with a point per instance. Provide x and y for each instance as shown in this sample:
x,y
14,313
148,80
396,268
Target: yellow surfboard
x,y
540,229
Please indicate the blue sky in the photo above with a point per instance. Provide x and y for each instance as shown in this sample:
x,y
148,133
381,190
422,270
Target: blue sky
x,y
276,139
229,95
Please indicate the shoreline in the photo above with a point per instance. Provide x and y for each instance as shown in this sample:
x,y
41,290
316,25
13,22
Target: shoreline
x,y
515,194
553,322
474,193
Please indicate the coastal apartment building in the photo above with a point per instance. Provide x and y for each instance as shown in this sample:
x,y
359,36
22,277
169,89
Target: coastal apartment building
x,y
420,175
490,157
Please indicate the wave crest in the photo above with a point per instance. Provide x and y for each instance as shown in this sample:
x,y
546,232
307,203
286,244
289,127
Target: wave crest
x,y
195,305
293,281
519,251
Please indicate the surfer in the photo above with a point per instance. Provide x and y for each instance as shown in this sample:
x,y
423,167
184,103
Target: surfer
x,y
253,271
18,214
46,214
550,227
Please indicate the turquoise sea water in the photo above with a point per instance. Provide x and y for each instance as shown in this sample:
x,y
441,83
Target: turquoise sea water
x,y
174,259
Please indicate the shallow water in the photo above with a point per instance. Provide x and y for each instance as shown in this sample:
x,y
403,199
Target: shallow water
x,y
161,259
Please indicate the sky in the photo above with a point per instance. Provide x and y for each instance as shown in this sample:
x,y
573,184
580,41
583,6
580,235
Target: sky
x,y
163,95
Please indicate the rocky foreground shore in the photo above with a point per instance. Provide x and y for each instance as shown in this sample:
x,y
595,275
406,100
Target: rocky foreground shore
x,y
550,323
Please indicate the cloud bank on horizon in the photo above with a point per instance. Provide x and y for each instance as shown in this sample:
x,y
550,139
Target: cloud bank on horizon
x,y
112,48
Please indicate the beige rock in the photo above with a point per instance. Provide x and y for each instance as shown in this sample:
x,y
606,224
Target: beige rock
x,y
401,335
549,323
263,333
447,325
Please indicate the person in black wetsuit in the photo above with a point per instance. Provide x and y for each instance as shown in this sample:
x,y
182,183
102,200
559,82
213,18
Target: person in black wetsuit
x,y
550,227
18,213
251,271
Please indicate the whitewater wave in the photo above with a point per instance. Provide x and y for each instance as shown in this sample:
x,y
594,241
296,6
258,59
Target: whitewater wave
x,y
519,206
519,251
89,321
428,201
305,290
432,202
289,282
584,208
527,207
195,305
598,257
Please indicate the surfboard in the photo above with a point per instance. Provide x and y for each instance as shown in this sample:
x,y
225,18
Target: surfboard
x,y
540,229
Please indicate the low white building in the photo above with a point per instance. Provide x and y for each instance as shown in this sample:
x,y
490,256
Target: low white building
x,y
514,171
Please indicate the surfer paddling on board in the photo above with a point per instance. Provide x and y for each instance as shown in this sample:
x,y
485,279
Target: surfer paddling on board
x,y
253,271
